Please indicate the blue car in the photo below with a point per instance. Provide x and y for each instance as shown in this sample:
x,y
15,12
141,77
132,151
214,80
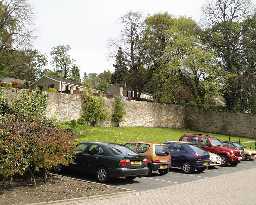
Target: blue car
x,y
187,157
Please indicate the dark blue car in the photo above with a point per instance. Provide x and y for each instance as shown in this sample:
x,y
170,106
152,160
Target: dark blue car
x,y
188,157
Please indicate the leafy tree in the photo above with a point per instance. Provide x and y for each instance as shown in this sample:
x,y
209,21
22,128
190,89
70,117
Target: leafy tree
x,y
191,66
121,71
75,73
104,81
15,19
223,34
85,76
118,112
62,60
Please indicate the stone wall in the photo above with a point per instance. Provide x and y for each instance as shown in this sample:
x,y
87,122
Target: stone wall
x,y
238,124
64,107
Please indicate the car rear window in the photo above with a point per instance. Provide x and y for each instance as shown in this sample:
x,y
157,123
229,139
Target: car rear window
x,y
161,150
121,150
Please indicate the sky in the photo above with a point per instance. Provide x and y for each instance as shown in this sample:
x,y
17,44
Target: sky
x,y
89,25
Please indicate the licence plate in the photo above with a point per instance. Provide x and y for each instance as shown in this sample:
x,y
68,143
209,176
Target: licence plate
x,y
163,166
136,163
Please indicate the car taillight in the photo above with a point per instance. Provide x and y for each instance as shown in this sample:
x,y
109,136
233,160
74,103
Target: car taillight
x,y
156,161
145,161
124,163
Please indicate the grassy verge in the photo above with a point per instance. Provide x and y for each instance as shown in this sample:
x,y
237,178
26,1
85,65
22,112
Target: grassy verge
x,y
129,134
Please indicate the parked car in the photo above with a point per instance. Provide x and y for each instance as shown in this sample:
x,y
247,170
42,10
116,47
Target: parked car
x,y
158,157
208,143
108,161
247,154
187,157
215,160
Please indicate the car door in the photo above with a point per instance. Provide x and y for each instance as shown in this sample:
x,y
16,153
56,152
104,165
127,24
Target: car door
x,y
95,158
80,162
173,151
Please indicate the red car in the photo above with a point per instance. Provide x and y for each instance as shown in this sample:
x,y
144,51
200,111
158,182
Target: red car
x,y
208,143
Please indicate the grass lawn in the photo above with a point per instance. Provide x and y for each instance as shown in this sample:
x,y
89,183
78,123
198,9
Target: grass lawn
x,y
130,134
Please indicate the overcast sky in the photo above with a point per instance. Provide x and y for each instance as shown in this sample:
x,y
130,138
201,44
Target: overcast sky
x,y
88,25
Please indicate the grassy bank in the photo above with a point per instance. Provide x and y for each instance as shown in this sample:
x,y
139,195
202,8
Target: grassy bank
x,y
128,134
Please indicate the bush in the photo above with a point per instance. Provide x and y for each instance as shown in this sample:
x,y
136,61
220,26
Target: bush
x,y
93,110
32,146
30,104
118,112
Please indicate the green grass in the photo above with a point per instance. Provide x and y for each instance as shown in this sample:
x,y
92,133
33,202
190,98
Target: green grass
x,y
131,134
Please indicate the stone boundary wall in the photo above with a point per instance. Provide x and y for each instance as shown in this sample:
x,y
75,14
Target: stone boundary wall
x,y
65,107
238,124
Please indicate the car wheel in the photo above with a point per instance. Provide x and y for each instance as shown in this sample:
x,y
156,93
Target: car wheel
x,y
224,160
163,171
186,167
233,164
130,178
102,175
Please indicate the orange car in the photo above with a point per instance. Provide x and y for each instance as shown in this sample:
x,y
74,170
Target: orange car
x,y
157,155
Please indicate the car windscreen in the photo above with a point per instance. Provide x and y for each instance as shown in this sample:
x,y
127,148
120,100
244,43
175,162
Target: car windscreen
x,y
161,150
238,145
197,150
121,150
216,142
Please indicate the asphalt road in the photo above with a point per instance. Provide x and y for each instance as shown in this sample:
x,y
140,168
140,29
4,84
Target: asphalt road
x,y
177,177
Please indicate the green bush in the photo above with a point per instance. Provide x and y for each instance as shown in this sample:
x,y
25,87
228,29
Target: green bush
x,y
32,146
118,112
30,104
93,110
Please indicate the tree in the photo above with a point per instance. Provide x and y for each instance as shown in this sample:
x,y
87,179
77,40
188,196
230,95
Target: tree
x,y
75,73
104,81
121,71
154,43
131,47
23,64
196,66
15,19
62,60
223,34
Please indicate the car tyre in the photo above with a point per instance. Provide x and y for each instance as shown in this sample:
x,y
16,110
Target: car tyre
x,y
163,171
102,175
201,169
233,164
224,160
187,168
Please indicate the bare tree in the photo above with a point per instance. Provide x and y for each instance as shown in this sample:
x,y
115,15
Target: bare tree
x,y
218,11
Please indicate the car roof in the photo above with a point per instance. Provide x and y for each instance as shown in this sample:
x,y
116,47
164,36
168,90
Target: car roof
x,y
141,142
197,135
178,142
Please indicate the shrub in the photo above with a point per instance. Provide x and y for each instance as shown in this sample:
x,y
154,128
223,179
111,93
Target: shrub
x,y
93,110
31,146
118,112
30,104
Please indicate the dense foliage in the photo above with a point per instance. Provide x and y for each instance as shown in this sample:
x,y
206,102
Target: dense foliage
x,y
30,146
118,111
93,109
